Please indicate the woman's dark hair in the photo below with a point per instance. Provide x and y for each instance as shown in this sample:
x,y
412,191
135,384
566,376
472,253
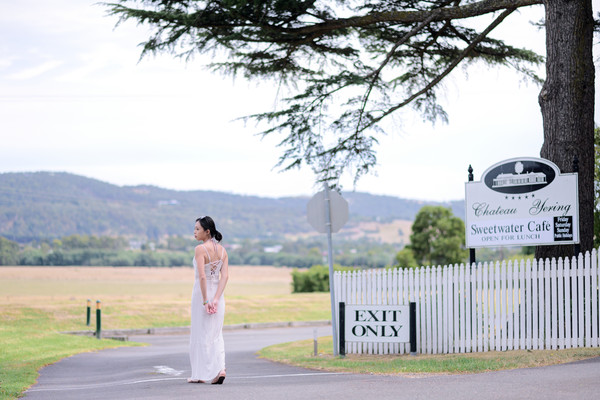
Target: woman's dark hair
x,y
208,223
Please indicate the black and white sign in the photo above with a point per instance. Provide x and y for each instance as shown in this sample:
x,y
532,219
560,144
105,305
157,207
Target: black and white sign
x,y
522,201
377,324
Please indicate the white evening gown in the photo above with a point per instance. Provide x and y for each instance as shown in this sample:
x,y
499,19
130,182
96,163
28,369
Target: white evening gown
x,y
207,349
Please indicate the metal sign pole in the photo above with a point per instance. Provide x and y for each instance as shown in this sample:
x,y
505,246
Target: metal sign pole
x,y
330,258
327,212
472,259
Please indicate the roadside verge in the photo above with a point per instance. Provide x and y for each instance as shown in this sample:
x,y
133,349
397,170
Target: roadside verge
x,y
123,334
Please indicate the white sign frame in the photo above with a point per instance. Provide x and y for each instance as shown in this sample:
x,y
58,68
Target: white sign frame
x,y
535,205
393,322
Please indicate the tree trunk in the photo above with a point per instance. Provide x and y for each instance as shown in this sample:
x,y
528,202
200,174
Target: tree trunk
x,y
567,104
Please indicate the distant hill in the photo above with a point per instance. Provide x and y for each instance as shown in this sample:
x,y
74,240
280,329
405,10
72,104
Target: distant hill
x,y
41,205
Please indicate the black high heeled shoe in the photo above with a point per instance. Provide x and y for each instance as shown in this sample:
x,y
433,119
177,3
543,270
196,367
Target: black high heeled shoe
x,y
219,378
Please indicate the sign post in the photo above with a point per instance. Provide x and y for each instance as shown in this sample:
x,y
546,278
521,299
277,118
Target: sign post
x,y
327,212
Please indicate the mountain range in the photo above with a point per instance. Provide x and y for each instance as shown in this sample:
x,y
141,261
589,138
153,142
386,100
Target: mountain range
x,y
46,205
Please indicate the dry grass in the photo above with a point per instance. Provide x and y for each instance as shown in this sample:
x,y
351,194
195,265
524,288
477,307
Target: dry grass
x,y
139,297
147,274
35,283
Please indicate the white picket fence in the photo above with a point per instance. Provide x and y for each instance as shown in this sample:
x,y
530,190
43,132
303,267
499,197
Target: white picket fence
x,y
485,307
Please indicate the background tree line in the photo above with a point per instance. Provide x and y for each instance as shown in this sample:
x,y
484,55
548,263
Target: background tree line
x,y
178,251
88,251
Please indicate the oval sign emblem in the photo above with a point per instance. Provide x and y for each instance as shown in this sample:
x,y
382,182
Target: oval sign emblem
x,y
520,175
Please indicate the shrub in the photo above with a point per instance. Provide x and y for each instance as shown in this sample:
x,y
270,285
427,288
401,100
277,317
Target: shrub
x,y
314,279
406,259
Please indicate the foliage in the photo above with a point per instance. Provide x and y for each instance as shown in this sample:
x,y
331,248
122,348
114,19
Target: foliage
x,y
492,254
302,258
73,242
178,251
438,237
406,259
315,279
363,253
597,188
375,258
179,243
102,257
369,59
303,253
9,252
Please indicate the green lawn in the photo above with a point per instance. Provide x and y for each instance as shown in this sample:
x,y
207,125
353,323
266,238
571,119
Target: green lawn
x,y
29,340
301,354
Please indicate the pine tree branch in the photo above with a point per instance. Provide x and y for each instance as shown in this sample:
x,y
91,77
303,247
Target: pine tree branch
x,y
405,17
448,69
376,73
304,43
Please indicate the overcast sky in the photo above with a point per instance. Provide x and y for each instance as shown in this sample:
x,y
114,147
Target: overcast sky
x,y
74,98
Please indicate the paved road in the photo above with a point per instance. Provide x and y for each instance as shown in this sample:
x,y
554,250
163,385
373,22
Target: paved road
x,y
159,371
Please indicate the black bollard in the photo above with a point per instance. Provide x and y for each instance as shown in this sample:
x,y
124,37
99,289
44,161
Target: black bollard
x,y
342,328
98,320
89,312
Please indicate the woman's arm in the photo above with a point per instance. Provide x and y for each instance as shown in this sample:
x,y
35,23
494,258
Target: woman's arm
x,y
199,256
222,280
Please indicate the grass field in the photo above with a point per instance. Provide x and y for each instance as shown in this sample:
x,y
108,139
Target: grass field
x,y
36,303
153,297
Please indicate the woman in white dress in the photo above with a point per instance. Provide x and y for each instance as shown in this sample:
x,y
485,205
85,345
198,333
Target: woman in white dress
x,y
211,270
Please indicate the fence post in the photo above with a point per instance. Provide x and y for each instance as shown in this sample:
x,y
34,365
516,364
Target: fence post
x,y
412,309
342,328
98,320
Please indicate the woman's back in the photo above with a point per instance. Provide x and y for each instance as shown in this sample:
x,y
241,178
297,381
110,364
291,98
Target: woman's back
x,y
213,262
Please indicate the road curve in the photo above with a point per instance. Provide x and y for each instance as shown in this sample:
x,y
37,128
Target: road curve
x,y
159,371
